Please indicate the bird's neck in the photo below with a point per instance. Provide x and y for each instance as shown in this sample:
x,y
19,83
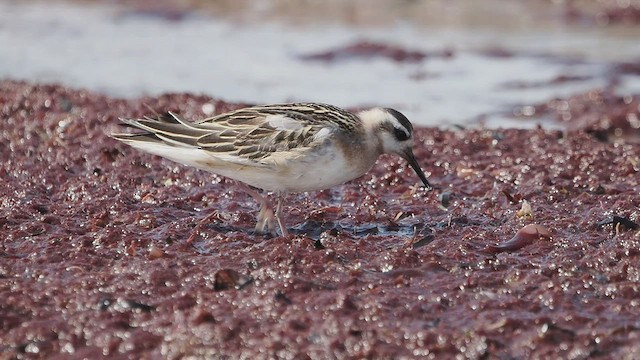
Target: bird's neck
x,y
371,123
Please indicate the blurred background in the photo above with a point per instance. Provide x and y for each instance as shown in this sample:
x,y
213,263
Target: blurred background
x,y
441,62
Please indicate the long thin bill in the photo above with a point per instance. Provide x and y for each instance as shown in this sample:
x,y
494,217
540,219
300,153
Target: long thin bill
x,y
408,155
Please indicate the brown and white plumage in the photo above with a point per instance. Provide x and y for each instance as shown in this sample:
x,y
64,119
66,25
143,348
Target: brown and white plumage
x,y
281,148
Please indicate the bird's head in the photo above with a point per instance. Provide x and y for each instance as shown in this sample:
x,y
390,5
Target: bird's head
x,y
395,135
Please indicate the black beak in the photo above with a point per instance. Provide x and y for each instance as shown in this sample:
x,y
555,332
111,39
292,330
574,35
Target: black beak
x,y
408,155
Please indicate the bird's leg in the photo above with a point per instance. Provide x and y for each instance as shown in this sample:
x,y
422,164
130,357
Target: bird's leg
x,y
265,221
283,228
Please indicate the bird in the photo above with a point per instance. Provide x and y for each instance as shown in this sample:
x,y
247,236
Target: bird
x,y
279,148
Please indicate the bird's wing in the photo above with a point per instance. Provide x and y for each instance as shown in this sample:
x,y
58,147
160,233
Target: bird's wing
x,y
249,136
256,134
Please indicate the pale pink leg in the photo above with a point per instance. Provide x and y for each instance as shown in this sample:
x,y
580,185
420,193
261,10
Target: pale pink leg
x,y
266,218
265,221
283,228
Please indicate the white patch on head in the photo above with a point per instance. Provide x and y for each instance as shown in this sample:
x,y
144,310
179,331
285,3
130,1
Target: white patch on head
x,y
322,134
373,117
281,122
377,122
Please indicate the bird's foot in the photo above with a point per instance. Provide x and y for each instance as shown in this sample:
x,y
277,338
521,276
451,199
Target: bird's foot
x,y
265,223
266,220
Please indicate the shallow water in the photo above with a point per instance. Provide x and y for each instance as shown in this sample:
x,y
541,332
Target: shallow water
x,y
128,53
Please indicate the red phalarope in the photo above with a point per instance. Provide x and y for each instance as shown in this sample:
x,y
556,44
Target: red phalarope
x,y
283,148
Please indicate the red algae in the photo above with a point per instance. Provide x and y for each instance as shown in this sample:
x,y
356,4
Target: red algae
x,y
368,50
95,257
522,238
604,115
604,12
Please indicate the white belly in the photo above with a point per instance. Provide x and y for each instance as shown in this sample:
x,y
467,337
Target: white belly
x,y
316,172
314,169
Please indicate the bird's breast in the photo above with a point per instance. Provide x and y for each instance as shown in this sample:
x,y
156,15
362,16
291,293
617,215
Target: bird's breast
x,y
325,167
322,167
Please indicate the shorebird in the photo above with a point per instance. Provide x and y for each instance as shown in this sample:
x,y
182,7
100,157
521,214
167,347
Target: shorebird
x,y
281,148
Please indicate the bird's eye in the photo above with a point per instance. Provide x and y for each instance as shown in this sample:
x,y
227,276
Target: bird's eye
x,y
400,134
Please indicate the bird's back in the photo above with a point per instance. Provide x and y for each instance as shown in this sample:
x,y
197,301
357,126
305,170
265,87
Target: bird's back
x,y
259,141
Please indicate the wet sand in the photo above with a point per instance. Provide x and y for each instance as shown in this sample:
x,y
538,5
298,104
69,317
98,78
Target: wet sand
x,y
528,247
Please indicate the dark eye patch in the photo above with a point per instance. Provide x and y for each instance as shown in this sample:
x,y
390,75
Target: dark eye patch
x,y
401,135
